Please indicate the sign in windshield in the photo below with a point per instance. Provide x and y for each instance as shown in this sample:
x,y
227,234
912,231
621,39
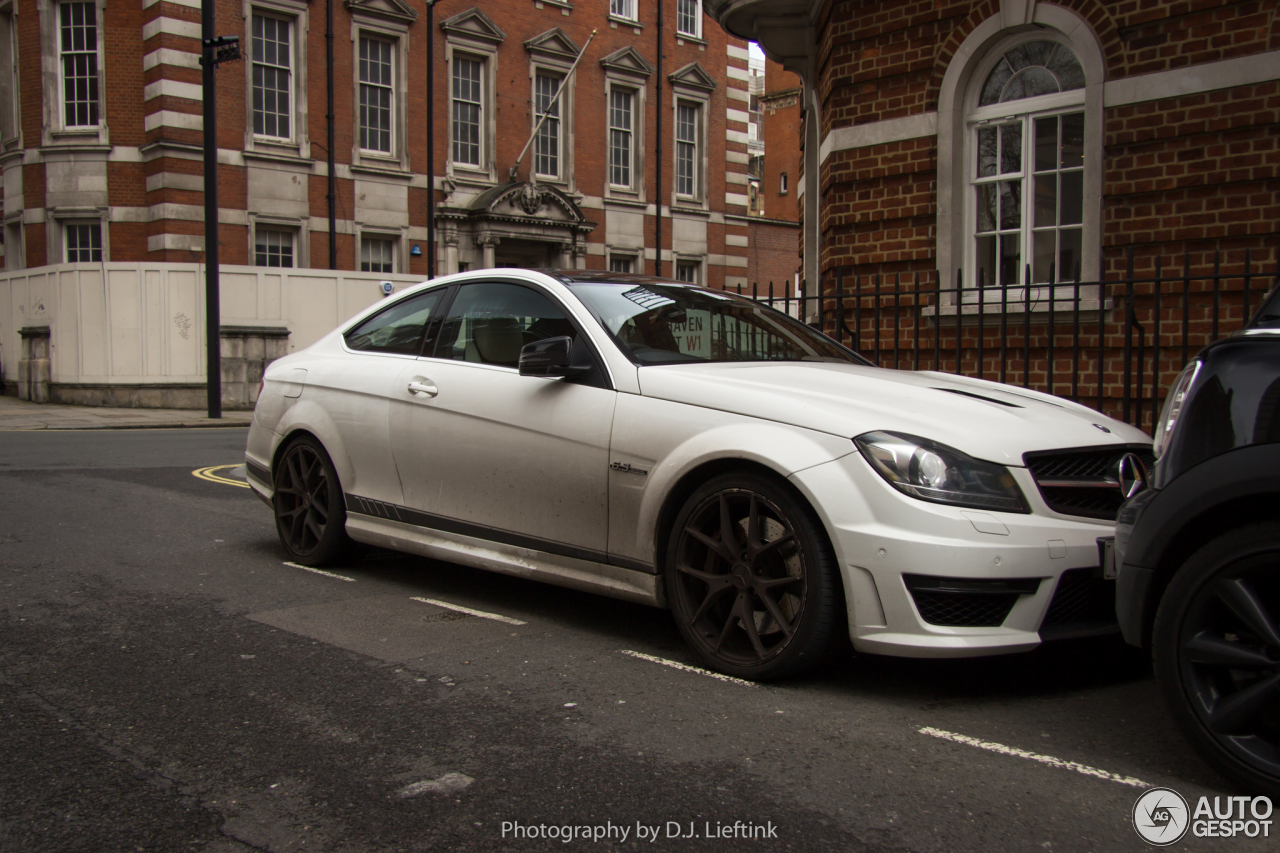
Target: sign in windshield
x,y
672,324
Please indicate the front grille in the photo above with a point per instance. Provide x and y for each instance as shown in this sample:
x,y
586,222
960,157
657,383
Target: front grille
x,y
958,603
1084,482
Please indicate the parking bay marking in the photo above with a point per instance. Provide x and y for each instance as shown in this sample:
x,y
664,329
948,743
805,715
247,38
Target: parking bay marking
x,y
686,668
208,474
1034,756
482,614
321,572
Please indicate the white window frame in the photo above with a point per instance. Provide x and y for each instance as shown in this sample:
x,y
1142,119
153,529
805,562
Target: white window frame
x,y
635,190
698,196
367,238
958,96
696,32
621,102
55,130
557,117
624,10
399,245
1022,112
10,90
782,183
296,227
68,227
297,144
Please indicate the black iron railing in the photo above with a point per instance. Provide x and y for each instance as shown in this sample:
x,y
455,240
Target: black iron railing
x,y
1113,345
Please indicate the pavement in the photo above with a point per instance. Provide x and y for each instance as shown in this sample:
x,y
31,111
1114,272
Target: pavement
x,y
18,414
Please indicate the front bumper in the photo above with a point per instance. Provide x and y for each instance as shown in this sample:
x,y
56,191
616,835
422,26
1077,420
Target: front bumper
x,y
1045,566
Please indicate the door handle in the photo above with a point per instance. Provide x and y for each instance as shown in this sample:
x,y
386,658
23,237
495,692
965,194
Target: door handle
x,y
424,387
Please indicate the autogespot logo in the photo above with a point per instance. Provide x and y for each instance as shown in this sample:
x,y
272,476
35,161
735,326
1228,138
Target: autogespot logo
x,y
1160,816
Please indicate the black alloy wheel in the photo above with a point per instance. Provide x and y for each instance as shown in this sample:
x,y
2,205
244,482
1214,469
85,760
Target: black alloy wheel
x,y
751,579
310,514
1217,654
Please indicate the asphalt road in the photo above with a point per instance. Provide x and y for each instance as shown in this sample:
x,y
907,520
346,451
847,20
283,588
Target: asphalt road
x,y
167,683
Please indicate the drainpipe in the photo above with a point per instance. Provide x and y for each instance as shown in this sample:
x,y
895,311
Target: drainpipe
x,y
333,182
657,270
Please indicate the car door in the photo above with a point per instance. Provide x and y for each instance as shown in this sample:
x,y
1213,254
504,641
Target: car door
x,y
486,452
357,389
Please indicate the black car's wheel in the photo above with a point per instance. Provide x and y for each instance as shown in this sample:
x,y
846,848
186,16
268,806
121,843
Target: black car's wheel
x,y
310,514
1217,654
751,578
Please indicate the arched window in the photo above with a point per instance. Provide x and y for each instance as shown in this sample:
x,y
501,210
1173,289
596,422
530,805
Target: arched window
x,y
1025,134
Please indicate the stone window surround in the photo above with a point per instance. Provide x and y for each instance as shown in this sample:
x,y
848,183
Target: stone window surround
x,y
698,260
54,133
487,56
975,57
637,88
399,238
13,236
60,217
702,101
9,87
299,227
398,35
566,180
631,254
296,11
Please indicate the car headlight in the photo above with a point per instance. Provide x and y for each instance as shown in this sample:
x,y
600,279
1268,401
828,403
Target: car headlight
x,y
1173,406
933,472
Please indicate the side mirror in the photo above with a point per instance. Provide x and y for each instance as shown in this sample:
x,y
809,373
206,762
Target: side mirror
x,y
547,357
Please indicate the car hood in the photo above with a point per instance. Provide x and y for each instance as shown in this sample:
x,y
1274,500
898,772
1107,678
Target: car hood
x,y
984,419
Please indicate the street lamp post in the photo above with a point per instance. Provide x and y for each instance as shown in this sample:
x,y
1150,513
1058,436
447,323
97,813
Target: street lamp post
x,y
431,138
214,50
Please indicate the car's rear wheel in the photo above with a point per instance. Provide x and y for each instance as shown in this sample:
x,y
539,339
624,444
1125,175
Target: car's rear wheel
x,y
750,578
1216,647
310,514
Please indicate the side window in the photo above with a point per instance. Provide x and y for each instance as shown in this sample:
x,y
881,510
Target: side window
x,y
490,323
399,329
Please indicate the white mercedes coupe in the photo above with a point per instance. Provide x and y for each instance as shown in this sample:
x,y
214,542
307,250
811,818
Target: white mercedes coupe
x,y
692,449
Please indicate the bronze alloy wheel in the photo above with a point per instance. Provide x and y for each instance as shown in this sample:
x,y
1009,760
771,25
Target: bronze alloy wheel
x,y
750,578
310,516
1217,654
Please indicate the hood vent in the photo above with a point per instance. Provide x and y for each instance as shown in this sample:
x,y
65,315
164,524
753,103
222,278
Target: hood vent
x,y
980,397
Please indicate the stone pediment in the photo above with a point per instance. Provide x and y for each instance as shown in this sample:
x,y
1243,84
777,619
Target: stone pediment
x,y
473,24
693,76
394,10
627,60
553,43
535,203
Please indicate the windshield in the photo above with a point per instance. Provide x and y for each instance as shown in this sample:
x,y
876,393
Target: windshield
x,y
676,324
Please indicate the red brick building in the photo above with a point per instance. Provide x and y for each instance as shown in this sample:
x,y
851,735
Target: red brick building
x,y
101,136
1006,149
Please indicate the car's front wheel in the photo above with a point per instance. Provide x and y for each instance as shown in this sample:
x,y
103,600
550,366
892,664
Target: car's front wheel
x,y
750,578
1216,646
311,516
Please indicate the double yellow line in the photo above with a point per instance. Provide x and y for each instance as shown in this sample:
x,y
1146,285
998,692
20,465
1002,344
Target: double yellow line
x,y
211,475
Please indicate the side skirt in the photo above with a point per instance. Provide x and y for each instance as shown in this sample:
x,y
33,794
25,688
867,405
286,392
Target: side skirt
x,y
585,575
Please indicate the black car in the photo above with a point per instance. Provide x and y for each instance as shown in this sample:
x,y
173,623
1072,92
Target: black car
x,y
1198,554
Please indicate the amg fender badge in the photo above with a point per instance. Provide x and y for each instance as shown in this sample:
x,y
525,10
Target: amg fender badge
x,y
628,468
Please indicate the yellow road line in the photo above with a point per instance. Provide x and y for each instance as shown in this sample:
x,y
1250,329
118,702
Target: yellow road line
x,y
208,474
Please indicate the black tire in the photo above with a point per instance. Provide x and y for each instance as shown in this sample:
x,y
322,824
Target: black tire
x,y
751,579
1216,647
311,516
